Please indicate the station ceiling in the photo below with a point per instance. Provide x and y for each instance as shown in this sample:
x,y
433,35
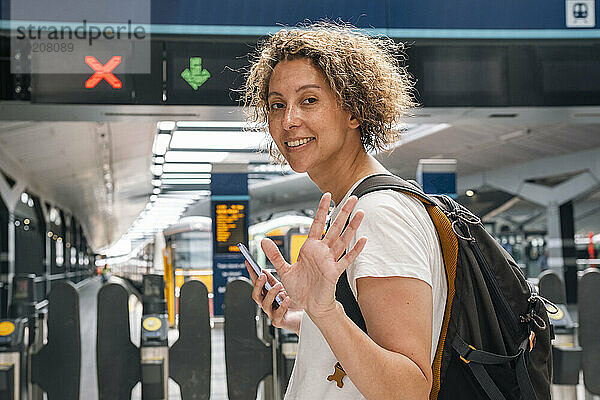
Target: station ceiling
x,y
61,152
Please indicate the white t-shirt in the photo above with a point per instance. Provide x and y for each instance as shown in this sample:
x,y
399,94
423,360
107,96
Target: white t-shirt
x,y
401,241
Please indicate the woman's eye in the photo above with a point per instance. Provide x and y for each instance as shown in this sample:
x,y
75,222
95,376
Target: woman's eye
x,y
276,106
309,100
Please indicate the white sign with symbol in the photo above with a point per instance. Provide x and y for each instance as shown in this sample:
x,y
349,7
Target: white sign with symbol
x,y
580,13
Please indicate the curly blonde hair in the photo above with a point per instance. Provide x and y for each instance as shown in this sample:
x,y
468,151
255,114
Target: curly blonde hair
x,y
364,72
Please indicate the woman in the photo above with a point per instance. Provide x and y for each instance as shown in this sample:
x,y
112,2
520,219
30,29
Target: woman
x,y
330,95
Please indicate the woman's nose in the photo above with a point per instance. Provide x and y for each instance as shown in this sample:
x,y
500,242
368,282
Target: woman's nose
x,y
291,118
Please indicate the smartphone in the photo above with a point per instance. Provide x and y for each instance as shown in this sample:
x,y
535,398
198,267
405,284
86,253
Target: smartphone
x,y
256,268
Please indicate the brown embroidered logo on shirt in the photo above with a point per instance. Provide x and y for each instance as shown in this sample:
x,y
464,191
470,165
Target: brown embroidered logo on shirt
x,y
337,375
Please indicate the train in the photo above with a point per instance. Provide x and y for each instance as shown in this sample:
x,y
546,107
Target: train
x,y
183,252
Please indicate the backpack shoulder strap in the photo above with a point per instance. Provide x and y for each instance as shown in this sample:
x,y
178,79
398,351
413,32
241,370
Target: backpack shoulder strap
x,y
386,181
373,183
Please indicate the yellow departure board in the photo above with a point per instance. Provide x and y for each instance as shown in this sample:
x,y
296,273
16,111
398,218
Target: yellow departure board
x,y
230,225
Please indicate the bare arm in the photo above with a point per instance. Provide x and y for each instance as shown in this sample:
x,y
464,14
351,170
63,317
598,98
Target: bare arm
x,y
393,362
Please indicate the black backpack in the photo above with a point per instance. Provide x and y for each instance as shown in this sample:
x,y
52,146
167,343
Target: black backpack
x,y
495,337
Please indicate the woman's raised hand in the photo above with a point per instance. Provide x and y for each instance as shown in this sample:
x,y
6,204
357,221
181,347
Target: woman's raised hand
x,y
310,282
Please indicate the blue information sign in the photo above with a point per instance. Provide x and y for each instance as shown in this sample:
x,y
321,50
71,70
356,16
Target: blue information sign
x,y
437,176
229,211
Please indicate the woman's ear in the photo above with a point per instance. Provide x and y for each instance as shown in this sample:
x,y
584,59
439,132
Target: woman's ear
x,y
353,122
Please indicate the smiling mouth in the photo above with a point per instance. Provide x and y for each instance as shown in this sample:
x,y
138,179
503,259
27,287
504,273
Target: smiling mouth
x,y
298,143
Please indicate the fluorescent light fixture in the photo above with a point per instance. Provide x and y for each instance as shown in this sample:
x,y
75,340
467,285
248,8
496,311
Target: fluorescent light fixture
x,y
150,225
197,194
171,202
163,199
159,225
152,219
187,168
154,228
168,211
177,195
185,176
211,124
155,221
216,140
167,208
161,143
156,169
418,131
195,156
163,212
166,125
512,135
268,168
186,181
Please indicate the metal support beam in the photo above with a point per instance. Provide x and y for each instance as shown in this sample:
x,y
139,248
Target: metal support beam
x,y
500,209
513,179
554,240
567,232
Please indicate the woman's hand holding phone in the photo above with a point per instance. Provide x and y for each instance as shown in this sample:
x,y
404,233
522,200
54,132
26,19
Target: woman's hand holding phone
x,y
285,315
258,271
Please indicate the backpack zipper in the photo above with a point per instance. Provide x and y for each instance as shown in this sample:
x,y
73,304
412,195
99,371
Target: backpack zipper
x,y
503,308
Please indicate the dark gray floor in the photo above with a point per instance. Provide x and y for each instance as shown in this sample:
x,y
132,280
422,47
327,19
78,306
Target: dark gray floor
x,y
88,310
218,384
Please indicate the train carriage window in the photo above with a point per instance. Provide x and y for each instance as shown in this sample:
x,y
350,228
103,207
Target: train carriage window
x,y
192,249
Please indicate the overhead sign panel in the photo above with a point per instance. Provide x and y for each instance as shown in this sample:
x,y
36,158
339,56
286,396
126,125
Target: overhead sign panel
x,y
104,82
206,72
210,71
262,17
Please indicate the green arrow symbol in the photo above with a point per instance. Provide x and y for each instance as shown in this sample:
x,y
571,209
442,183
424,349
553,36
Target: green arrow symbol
x,y
195,75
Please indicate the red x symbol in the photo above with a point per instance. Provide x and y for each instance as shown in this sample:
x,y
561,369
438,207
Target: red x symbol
x,y
103,72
